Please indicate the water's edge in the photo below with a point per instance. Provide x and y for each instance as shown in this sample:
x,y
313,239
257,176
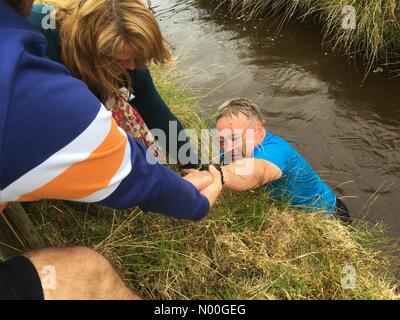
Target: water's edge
x,y
348,132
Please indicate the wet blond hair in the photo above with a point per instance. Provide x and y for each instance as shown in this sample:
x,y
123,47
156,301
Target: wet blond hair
x,y
239,105
92,32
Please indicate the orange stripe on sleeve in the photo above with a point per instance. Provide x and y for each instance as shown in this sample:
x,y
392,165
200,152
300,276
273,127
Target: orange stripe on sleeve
x,y
85,178
2,207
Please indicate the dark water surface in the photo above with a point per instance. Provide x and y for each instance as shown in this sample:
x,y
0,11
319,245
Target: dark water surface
x,y
348,132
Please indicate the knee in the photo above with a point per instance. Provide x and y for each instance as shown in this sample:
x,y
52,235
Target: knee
x,y
77,269
87,259
75,260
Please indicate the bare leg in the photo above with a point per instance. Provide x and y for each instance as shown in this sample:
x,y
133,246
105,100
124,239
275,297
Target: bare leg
x,y
80,274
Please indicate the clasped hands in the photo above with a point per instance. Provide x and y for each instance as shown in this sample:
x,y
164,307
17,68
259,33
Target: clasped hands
x,y
207,182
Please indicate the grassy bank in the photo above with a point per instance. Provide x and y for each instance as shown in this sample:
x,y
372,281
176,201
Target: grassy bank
x,y
249,247
376,38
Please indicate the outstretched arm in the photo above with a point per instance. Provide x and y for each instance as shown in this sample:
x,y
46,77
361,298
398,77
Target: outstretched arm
x,y
75,149
249,174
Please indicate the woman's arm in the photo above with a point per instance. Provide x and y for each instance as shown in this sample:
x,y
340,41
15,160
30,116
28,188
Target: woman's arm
x,y
76,151
156,113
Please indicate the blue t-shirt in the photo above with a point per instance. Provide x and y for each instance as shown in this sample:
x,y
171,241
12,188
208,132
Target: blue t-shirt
x,y
299,184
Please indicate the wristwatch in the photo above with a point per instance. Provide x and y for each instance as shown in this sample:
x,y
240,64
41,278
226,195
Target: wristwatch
x,y
219,168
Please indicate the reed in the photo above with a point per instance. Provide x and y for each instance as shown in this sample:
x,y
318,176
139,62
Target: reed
x,y
375,39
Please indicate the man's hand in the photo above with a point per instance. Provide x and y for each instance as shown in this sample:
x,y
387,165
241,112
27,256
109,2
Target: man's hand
x,y
212,191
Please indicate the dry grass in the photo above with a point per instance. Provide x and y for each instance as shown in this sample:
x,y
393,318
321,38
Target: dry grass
x,y
248,248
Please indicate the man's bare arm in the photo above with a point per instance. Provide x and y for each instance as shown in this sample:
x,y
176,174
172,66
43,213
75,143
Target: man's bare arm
x,y
249,174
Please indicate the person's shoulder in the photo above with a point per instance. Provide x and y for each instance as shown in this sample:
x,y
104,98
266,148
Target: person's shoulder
x,y
274,140
14,24
280,145
46,110
49,87
139,73
274,145
274,150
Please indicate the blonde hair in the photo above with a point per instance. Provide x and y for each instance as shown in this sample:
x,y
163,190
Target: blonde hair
x,y
239,105
92,32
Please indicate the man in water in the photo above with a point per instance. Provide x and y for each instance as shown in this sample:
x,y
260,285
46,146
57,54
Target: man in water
x,y
268,161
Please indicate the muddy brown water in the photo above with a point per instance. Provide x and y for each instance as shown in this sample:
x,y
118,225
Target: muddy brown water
x,y
349,132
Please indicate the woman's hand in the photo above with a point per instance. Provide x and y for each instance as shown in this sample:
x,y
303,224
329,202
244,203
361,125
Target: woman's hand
x,y
207,182
212,191
200,179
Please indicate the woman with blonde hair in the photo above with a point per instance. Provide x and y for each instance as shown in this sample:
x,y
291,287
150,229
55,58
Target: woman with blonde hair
x,y
107,44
